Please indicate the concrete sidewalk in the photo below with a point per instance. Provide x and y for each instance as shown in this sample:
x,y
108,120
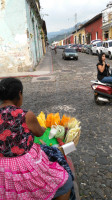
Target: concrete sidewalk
x,y
45,67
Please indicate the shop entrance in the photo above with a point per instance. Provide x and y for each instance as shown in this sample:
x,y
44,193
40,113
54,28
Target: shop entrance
x,y
106,35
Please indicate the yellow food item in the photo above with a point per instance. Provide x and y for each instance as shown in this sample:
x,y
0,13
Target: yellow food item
x,y
41,119
72,123
72,133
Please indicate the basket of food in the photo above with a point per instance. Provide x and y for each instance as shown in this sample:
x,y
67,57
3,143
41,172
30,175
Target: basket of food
x,y
64,133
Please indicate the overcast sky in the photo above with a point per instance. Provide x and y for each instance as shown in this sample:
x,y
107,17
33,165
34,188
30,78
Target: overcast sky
x,y
61,13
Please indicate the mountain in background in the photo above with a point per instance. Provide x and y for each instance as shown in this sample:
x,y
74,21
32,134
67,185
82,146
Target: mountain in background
x,y
59,35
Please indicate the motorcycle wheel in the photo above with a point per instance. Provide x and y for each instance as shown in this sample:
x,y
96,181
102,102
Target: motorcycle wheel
x,y
101,103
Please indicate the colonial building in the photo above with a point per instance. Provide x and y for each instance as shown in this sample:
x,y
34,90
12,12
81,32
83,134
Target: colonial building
x,y
22,35
79,36
107,22
93,28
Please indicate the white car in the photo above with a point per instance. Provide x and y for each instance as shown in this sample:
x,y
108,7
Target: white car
x,y
97,40
107,48
96,47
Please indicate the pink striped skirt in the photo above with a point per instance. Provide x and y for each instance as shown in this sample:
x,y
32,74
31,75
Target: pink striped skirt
x,y
31,176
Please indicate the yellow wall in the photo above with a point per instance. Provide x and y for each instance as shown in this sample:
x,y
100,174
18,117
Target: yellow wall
x,y
82,33
60,42
43,41
110,33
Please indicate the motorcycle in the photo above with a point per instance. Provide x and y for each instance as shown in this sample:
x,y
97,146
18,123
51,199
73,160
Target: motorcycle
x,y
102,92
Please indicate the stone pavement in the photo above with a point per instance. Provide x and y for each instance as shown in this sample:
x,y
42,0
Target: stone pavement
x,y
45,67
70,93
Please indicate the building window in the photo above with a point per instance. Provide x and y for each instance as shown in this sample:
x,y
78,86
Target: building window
x,y
79,38
88,38
106,35
83,39
96,35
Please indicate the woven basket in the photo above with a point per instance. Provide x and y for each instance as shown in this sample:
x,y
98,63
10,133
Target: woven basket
x,y
76,141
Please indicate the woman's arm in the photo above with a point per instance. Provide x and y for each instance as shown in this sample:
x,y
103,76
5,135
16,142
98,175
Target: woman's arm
x,y
101,67
33,124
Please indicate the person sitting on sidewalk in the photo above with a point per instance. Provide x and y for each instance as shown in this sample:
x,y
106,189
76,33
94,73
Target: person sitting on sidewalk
x,y
25,170
103,74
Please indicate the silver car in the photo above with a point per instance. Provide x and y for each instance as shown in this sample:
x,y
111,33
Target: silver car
x,y
70,53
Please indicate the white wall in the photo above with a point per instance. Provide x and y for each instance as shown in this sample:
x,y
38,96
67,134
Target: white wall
x,y
14,53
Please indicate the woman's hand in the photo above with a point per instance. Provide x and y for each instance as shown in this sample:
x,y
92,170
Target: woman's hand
x,y
108,65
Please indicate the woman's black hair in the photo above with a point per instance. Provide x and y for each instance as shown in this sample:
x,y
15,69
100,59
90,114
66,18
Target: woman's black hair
x,y
10,88
100,57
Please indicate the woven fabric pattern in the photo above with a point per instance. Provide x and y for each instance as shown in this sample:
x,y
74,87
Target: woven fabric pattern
x,y
31,176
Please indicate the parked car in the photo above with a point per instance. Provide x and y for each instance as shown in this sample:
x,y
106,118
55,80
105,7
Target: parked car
x,y
70,53
79,47
74,46
97,40
83,49
60,47
107,48
65,46
88,48
96,47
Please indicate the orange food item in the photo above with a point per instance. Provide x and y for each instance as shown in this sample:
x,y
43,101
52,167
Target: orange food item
x,y
55,119
49,119
52,119
64,120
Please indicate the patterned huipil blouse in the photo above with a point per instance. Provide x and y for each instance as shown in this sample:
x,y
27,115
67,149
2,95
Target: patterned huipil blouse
x,y
15,137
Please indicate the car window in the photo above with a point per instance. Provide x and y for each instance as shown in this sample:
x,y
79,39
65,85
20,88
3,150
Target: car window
x,y
99,44
106,45
74,45
70,50
110,44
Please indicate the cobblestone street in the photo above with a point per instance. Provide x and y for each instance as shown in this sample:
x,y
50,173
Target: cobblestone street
x,y
68,91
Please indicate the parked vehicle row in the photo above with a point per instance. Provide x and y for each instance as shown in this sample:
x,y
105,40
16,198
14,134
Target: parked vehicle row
x,y
96,47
